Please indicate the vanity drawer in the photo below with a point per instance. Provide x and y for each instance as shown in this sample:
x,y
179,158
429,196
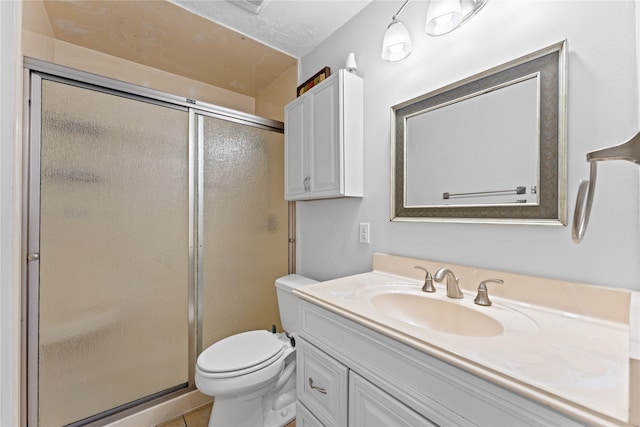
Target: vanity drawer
x,y
322,384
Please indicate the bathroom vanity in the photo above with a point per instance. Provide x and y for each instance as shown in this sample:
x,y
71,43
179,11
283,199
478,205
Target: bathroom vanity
x,y
374,349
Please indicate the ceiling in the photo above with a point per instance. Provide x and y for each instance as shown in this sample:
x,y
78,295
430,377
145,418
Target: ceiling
x,y
213,41
294,27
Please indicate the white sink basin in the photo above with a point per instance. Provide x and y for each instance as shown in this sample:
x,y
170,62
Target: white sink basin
x,y
436,314
408,305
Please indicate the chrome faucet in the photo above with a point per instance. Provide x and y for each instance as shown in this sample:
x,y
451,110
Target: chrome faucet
x,y
453,290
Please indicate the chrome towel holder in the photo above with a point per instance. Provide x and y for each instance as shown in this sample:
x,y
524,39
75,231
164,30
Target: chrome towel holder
x,y
629,151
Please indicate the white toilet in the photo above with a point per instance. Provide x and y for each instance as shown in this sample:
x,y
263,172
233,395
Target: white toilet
x,y
251,375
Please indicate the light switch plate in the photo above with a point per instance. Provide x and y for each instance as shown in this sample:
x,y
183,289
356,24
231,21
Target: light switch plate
x,y
364,232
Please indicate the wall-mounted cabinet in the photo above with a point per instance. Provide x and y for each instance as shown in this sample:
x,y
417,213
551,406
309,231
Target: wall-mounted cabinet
x,y
324,140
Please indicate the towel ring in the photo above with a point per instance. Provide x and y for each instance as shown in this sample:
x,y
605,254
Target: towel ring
x,y
582,211
630,151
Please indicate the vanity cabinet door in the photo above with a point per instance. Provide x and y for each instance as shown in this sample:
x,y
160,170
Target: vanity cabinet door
x,y
304,418
321,384
369,406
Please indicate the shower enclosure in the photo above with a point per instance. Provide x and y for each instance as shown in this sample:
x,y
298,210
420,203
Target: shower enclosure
x,y
154,229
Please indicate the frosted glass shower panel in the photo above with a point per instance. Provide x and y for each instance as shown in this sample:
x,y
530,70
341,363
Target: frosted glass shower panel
x,y
114,256
245,227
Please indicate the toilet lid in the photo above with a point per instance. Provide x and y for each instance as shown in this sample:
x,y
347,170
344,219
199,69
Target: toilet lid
x,y
244,352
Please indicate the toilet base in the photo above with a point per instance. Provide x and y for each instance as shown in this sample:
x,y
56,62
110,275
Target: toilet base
x,y
282,417
233,412
277,408
249,413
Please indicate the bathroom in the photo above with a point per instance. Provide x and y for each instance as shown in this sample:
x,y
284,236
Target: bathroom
x,y
602,41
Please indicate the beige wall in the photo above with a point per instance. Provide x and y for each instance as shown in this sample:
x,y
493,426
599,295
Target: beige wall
x,y
38,42
271,101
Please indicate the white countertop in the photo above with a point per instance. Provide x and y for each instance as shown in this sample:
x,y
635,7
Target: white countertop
x,y
574,363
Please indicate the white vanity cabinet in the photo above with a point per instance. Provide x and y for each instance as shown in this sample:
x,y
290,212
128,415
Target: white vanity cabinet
x,y
325,386
324,140
361,377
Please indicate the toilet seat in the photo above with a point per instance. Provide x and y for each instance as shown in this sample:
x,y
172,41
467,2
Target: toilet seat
x,y
240,354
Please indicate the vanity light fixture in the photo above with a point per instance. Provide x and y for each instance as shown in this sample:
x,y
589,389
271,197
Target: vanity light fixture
x,y
397,43
443,16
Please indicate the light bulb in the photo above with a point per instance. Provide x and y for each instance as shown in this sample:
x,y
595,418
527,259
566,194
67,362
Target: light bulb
x,y
397,43
443,16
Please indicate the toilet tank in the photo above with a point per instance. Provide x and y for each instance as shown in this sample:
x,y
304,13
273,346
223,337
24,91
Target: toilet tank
x,y
288,302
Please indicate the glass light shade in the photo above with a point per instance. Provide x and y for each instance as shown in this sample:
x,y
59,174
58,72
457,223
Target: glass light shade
x,y
396,44
443,16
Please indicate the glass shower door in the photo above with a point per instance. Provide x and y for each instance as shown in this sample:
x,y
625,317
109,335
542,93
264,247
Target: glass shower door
x,y
244,227
114,263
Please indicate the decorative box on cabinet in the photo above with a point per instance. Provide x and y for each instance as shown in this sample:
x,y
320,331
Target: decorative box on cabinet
x,y
324,140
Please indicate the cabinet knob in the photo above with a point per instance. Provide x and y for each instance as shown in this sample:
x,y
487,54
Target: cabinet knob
x,y
307,184
315,387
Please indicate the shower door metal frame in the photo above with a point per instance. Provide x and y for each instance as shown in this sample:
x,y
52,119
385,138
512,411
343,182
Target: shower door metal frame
x,y
33,248
37,70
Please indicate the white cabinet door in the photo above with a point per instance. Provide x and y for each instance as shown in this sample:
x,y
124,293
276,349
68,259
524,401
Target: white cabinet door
x,y
325,142
321,384
295,157
304,418
369,406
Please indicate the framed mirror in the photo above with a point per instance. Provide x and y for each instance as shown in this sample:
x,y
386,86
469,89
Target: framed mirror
x,y
490,148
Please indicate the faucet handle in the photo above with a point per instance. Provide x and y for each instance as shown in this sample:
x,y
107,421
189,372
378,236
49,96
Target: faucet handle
x,y
428,280
483,294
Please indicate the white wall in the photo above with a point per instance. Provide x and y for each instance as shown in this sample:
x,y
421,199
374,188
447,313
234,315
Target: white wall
x,y
603,111
9,221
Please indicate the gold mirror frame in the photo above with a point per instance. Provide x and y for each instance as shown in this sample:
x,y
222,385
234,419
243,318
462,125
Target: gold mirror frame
x,y
550,65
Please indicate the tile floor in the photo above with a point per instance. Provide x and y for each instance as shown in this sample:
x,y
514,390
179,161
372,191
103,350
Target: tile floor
x,y
198,418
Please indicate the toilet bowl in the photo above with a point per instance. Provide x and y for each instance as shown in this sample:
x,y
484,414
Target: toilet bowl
x,y
251,375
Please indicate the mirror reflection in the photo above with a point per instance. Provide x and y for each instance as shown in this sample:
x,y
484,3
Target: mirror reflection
x,y
490,148
498,133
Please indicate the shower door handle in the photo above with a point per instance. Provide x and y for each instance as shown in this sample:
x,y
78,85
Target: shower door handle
x,y
34,256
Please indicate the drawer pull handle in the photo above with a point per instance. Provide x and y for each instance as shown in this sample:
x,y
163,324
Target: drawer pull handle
x,y
315,387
